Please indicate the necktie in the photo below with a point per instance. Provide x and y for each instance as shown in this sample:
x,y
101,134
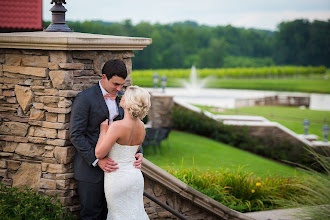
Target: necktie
x,y
112,97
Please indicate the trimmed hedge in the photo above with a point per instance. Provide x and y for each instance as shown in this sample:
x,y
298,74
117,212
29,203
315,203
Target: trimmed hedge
x,y
271,147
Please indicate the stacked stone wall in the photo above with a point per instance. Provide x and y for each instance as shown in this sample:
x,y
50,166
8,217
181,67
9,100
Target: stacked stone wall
x,y
276,133
160,110
36,92
277,100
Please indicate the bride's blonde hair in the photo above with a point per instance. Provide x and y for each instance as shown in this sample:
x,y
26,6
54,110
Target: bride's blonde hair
x,y
137,101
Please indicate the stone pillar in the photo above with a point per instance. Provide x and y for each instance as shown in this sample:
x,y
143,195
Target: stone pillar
x,y
160,110
40,74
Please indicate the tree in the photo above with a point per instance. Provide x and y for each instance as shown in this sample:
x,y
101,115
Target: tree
x,y
183,44
300,42
214,55
319,43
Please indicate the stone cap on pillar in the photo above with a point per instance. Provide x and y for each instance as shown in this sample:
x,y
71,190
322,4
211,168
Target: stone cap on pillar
x,y
71,41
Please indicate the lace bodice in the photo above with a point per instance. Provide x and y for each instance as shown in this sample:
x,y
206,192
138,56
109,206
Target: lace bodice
x,y
123,153
124,187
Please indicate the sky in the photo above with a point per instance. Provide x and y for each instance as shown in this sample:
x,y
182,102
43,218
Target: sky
x,y
259,14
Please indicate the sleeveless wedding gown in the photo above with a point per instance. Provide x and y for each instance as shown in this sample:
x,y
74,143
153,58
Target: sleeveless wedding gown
x,y
124,187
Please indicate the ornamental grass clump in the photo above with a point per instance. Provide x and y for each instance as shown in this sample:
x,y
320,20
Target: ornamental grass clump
x,y
314,198
28,204
239,190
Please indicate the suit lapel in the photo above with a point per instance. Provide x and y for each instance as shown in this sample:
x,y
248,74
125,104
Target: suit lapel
x,y
120,110
101,101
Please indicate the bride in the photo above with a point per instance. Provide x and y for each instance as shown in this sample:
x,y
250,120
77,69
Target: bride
x,y
120,141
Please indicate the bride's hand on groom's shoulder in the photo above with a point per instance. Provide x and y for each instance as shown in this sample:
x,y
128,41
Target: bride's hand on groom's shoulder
x,y
104,126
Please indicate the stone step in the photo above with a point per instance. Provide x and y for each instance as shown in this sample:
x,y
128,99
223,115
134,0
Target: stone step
x,y
280,214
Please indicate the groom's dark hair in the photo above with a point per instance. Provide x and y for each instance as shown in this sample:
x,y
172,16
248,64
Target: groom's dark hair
x,y
114,68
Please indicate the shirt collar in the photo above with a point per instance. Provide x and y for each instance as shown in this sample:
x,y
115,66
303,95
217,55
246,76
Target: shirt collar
x,y
102,89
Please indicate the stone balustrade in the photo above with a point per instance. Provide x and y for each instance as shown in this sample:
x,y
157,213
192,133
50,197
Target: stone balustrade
x,y
182,198
277,100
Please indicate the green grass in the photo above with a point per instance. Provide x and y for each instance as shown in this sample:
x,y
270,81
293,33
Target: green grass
x,y
304,84
290,117
147,81
280,84
238,179
188,150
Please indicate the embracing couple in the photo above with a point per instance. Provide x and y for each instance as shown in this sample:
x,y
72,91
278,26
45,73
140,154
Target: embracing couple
x,y
107,134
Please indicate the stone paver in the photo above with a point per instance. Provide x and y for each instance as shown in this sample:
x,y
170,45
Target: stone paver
x,y
281,214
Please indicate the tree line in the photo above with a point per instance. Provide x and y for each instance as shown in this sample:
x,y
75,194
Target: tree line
x,y
183,44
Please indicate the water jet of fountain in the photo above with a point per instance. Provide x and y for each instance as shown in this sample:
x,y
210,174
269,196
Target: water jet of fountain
x,y
195,85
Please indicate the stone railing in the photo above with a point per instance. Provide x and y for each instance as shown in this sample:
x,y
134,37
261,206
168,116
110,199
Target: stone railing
x,y
182,198
278,100
258,126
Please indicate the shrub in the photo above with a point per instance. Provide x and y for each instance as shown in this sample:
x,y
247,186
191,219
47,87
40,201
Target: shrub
x,y
269,146
28,204
238,190
200,124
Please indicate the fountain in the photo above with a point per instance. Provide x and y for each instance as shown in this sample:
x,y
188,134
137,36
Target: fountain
x,y
195,85
194,92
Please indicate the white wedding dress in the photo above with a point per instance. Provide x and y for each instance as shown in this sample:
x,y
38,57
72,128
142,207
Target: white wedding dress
x,y
124,187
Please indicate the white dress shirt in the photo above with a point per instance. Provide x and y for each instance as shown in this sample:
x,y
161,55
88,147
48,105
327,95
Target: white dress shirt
x,y
111,104
113,111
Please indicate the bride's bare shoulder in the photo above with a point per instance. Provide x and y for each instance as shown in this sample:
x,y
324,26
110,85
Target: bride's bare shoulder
x,y
116,124
124,125
119,124
141,126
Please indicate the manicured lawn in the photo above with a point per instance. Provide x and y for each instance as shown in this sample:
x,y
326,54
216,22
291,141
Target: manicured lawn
x,y
280,84
290,117
188,150
315,85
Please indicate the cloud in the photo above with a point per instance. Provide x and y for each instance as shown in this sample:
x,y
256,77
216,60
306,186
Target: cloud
x,y
270,20
249,14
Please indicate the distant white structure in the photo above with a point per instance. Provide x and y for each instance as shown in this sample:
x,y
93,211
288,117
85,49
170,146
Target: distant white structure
x,y
320,102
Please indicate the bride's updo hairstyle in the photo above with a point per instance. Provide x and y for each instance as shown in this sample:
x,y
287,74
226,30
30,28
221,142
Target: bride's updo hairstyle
x,y
137,101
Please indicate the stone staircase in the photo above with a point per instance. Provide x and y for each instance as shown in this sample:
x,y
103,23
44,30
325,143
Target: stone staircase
x,y
172,192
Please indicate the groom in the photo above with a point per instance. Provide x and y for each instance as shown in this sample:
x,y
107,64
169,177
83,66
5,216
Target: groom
x,y
90,108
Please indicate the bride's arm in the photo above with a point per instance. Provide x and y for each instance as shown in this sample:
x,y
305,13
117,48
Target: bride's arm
x,y
107,138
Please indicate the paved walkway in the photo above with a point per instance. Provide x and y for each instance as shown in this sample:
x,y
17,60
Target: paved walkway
x,y
281,214
225,98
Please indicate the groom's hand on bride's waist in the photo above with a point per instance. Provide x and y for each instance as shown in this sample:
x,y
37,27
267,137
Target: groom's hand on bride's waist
x,y
138,162
107,165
